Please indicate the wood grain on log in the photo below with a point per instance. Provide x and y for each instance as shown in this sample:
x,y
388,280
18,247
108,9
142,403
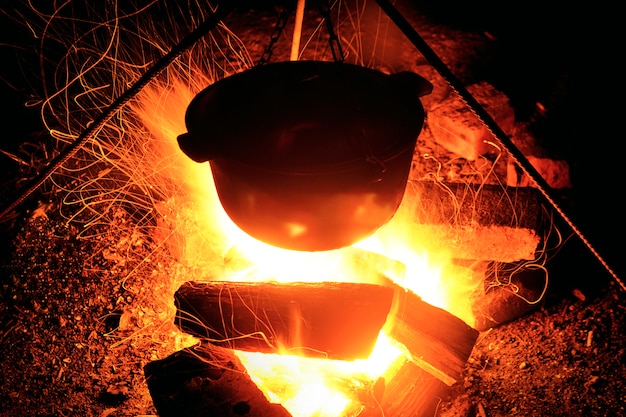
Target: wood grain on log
x,y
411,392
206,381
327,319
476,204
439,342
482,222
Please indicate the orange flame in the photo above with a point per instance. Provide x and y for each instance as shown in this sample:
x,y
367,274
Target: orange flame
x,y
202,232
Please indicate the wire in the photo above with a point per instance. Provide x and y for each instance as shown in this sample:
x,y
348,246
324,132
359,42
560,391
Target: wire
x,y
91,131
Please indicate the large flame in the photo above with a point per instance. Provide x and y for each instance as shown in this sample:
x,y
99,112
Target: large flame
x,y
304,386
320,387
134,165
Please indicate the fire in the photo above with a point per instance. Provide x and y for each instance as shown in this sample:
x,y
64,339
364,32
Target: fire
x,y
196,234
140,168
304,386
320,387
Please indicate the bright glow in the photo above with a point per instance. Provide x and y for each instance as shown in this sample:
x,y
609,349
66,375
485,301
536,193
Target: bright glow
x,y
320,387
431,276
296,229
306,387
316,399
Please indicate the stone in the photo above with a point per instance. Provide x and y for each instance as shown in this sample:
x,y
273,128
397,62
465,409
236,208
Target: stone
x,y
454,125
554,172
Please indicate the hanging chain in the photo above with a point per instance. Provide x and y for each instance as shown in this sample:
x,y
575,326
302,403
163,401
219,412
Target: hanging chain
x,y
283,16
333,39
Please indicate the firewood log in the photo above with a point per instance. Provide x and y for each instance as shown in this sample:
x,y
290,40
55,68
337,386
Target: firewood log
x,y
410,392
206,381
439,342
325,319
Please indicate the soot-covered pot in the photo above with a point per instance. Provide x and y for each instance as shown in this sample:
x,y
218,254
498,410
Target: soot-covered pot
x,y
308,155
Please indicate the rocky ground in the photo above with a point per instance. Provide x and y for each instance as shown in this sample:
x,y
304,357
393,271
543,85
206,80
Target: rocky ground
x,y
79,319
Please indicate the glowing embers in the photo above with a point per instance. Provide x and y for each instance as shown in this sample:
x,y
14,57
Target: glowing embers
x,y
308,155
407,350
322,387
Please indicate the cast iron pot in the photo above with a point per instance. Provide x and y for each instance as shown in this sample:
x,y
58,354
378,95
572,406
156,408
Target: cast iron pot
x,y
308,155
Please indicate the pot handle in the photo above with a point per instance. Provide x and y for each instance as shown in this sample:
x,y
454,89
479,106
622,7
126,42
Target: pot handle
x,y
194,149
412,82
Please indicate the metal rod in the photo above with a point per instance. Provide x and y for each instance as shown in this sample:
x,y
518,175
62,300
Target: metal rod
x,y
93,128
519,158
297,31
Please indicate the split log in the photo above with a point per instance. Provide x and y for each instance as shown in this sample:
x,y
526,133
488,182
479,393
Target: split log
x,y
439,342
206,381
411,392
471,221
374,267
327,319
478,204
511,291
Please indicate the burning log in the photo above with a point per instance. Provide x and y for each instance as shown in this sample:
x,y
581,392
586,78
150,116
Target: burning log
x,y
206,381
411,392
340,319
483,222
386,268
512,290
439,342
326,319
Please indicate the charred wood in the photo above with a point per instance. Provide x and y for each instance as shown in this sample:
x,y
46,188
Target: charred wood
x,y
206,381
327,319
